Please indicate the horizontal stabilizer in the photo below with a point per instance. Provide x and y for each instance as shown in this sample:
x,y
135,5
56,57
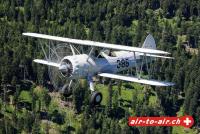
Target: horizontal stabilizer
x,y
46,62
157,56
95,44
137,80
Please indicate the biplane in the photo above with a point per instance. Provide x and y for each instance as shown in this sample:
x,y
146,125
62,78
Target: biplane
x,y
107,63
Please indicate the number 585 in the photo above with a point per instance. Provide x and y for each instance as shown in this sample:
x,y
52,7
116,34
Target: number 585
x,y
122,63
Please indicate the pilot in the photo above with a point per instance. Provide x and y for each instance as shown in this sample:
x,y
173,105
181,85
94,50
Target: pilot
x,y
96,53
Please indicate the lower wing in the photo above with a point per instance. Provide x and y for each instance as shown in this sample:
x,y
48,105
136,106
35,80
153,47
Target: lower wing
x,y
156,56
137,80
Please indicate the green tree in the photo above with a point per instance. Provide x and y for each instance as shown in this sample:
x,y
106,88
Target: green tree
x,y
27,10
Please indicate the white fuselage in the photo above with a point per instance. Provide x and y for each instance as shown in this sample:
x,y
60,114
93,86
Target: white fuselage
x,y
84,66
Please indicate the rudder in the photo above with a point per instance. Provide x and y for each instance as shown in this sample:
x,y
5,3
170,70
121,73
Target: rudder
x,y
149,42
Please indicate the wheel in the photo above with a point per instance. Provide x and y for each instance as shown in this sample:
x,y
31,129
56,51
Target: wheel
x,y
96,98
67,94
67,91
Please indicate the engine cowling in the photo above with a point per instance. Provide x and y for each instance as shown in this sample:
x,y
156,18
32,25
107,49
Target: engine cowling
x,y
66,68
77,66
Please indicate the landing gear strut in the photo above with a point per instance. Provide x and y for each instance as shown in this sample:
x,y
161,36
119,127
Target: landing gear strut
x,y
96,98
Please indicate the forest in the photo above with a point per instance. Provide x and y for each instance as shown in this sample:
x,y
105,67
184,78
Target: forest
x,y
28,105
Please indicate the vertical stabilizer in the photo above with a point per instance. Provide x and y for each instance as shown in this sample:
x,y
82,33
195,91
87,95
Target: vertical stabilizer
x,y
149,42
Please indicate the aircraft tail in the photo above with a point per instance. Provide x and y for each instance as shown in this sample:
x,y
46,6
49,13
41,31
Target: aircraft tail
x,y
149,42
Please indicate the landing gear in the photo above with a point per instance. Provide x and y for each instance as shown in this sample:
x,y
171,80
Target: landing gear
x,y
96,98
67,91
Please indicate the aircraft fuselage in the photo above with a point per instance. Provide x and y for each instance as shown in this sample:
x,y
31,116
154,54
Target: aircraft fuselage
x,y
84,66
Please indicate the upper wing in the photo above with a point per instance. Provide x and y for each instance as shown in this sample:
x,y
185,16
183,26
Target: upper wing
x,y
96,44
46,62
134,79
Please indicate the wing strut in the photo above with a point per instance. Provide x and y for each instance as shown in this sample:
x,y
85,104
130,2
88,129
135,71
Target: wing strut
x,y
44,51
74,49
141,67
139,72
136,64
91,51
73,52
147,66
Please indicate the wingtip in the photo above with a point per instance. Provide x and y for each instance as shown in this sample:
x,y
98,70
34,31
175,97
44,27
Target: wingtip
x,y
171,84
36,60
172,58
167,53
25,34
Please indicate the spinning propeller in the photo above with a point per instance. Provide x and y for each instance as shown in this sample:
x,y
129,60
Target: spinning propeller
x,y
59,75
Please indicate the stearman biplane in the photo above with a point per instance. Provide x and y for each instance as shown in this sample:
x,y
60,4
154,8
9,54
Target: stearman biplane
x,y
106,63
